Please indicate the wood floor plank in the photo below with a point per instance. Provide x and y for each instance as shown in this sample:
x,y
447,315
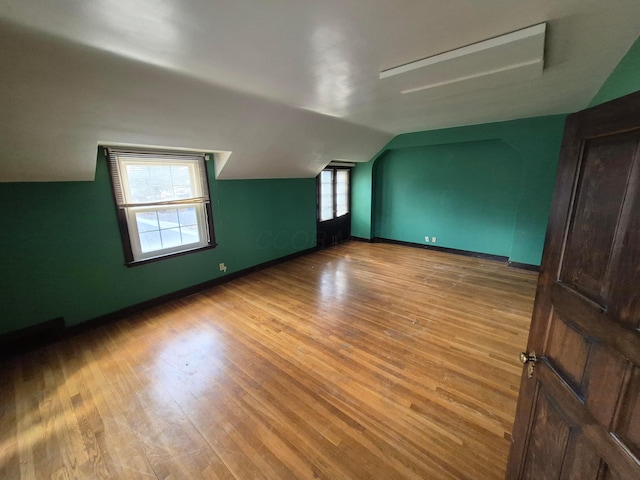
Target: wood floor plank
x,y
361,361
9,453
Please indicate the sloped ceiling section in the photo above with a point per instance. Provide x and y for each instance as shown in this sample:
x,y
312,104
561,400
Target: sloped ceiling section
x,y
285,85
60,100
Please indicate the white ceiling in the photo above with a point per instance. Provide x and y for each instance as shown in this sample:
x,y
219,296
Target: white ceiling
x,y
285,85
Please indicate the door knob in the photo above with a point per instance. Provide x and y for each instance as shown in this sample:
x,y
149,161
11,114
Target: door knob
x,y
528,357
531,359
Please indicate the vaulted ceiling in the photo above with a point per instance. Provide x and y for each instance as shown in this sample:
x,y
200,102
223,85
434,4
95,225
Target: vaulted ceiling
x,y
284,85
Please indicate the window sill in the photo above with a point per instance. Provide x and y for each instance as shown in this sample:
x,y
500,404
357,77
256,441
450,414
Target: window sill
x,y
135,263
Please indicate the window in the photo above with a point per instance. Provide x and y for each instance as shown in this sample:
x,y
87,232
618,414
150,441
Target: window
x,y
162,201
333,201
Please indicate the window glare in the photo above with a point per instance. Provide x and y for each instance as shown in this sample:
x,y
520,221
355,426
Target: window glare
x,y
149,183
326,195
167,228
150,241
334,193
147,221
342,192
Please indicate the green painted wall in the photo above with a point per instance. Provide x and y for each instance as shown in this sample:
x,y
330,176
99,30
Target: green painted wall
x,y
361,207
624,79
434,191
456,181
61,254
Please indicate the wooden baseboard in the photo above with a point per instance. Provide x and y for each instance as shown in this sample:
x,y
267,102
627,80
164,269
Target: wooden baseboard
x,y
361,239
524,266
455,251
31,337
467,253
36,336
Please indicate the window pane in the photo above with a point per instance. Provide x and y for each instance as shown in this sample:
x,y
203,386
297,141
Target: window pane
x,y
326,214
159,174
168,228
147,221
342,192
149,183
182,193
180,175
342,205
187,216
171,237
190,234
326,195
150,241
168,218
152,182
342,183
138,174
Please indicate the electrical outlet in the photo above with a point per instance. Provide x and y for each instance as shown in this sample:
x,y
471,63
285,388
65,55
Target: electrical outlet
x,y
426,239
223,267
433,239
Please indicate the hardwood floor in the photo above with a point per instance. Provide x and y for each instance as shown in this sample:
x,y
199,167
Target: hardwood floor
x,y
367,361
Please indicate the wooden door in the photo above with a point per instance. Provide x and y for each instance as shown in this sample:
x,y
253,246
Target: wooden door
x,y
578,416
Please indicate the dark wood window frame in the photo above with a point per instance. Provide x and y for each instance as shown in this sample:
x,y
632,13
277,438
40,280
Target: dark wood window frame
x,y
123,209
334,176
